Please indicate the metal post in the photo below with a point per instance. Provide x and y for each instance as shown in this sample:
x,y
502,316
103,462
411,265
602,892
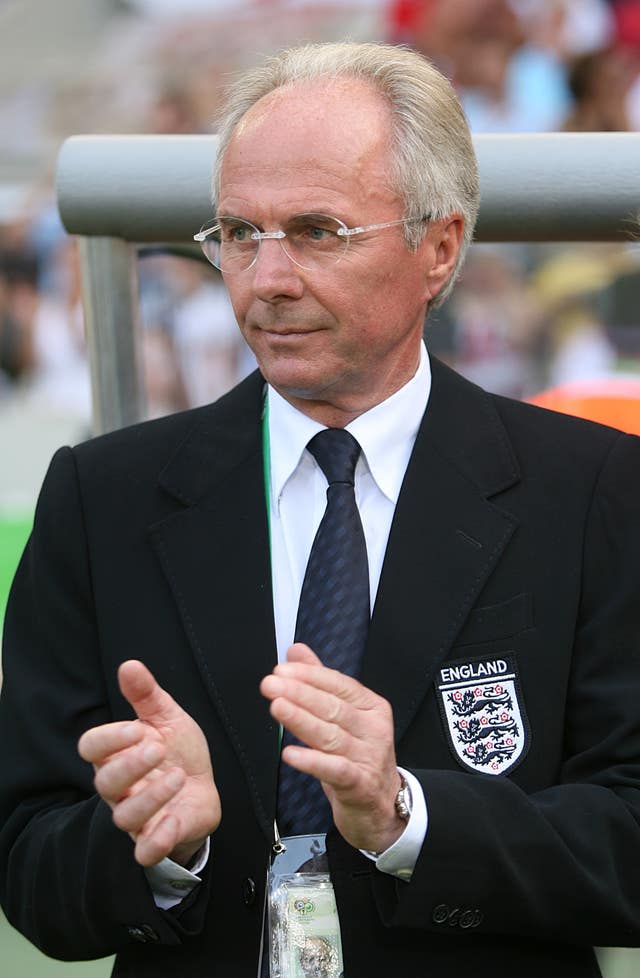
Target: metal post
x,y
109,298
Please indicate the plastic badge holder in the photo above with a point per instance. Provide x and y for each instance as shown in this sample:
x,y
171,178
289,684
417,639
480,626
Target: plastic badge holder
x,y
304,927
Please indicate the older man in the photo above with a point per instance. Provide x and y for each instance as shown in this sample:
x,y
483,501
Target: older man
x,y
459,705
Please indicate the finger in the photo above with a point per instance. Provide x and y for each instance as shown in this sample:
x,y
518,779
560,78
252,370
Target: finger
x,y
148,699
333,770
325,706
299,652
97,744
118,775
161,840
371,789
134,812
329,680
310,729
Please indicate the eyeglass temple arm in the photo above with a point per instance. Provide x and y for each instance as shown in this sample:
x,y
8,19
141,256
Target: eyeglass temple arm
x,y
347,232
203,235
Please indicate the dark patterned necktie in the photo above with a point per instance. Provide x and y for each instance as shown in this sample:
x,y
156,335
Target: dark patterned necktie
x,y
333,614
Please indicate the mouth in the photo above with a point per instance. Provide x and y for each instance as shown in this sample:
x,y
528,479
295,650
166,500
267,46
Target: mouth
x,y
286,331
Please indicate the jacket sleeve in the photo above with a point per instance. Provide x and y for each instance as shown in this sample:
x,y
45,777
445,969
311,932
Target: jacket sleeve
x,y
68,879
561,863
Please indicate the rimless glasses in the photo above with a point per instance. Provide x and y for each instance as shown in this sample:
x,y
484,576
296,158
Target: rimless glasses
x,y
311,241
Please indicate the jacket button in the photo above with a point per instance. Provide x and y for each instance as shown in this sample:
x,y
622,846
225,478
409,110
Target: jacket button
x,y
440,913
467,919
248,891
454,917
143,933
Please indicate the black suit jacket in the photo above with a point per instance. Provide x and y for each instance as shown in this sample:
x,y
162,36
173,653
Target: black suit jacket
x,y
516,536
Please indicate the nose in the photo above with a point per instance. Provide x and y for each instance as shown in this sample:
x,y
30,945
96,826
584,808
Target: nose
x,y
274,274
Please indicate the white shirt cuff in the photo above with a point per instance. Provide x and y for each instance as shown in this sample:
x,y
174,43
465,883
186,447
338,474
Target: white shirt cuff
x,y
400,858
170,882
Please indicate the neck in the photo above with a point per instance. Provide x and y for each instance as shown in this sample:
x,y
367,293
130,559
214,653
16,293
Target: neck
x,y
329,415
339,411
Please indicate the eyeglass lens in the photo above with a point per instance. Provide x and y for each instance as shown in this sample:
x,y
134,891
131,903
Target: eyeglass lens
x,y
309,240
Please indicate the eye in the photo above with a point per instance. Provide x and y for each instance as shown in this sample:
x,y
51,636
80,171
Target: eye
x,y
314,230
316,233
236,232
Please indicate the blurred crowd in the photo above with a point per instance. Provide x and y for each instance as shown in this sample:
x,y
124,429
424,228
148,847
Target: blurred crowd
x,y
521,319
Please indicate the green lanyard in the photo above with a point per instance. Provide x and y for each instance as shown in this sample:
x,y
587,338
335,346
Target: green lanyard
x,y
266,466
266,459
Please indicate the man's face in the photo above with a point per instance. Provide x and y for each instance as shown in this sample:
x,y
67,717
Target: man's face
x,y
336,340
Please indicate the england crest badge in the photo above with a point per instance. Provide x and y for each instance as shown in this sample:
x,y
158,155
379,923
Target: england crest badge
x,y
483,713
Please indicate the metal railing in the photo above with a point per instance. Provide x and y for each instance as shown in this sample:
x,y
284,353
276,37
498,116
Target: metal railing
x,y
115,192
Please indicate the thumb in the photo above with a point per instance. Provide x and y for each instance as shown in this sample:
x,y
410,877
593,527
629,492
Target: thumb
x,y
302,653
149,700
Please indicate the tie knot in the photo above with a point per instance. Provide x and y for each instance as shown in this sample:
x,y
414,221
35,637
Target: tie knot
x,y
336,452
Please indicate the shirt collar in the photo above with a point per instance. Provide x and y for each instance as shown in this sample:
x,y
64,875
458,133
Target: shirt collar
x,y
386,432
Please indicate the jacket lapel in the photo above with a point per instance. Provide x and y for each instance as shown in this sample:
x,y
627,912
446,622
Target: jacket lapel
x,y
446,538
215,555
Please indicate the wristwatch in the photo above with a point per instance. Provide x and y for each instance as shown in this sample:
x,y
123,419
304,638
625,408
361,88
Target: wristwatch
x,y
403,804
403,801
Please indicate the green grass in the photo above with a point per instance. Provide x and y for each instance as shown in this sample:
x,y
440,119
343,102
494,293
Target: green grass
x,y
19,959
13,536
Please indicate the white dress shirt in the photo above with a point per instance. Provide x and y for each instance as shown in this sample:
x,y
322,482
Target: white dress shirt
x,y
297,491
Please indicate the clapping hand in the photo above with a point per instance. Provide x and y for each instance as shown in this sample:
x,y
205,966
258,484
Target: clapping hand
x,y
349,738
155,772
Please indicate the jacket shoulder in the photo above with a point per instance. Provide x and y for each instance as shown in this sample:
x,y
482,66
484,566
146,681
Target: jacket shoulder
x,y
150,443
557,431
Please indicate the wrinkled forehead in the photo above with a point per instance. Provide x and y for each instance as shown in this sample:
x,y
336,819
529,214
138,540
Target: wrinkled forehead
x,y
331,137
324,113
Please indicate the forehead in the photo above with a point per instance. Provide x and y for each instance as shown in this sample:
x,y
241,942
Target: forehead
x,y
312,146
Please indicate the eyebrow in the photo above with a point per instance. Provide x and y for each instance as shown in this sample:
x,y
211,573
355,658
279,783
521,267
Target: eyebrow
x,y
290,217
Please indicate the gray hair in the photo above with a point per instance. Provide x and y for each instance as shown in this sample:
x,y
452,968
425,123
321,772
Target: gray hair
x,y
433,165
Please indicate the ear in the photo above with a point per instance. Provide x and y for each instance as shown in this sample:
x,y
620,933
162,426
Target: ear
x,y
444,237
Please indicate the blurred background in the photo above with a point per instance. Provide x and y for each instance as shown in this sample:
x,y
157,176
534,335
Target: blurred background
x,y
522,319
